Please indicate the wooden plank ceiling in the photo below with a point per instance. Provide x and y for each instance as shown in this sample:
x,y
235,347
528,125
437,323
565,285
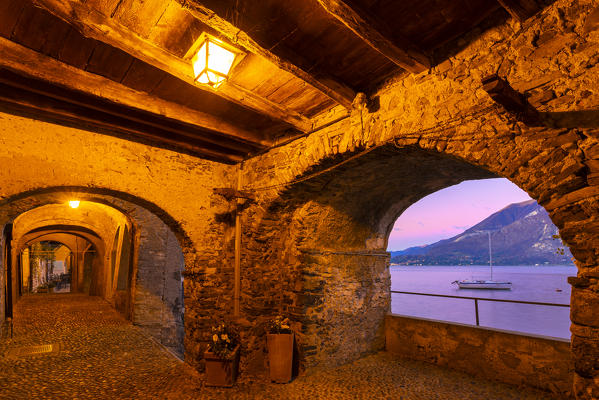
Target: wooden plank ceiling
x,y
118,67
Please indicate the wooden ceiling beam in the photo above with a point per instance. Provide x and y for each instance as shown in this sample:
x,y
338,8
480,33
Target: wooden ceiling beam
x,y
76,115
288,61
30,63
520,9
94,25
372,32
150,122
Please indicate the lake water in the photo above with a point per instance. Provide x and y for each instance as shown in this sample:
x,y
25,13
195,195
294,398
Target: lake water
x,y
547,284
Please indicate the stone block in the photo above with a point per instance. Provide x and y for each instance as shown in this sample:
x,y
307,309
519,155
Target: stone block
x,y
586,388
583,307
586,356
577,195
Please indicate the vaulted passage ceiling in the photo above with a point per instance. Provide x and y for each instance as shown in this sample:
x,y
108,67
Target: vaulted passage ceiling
x,y
120,67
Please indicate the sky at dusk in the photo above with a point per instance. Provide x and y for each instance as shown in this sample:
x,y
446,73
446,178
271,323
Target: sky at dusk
x,y
451,211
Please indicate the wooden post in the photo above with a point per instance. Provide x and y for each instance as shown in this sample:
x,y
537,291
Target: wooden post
x,y
237,285
513,101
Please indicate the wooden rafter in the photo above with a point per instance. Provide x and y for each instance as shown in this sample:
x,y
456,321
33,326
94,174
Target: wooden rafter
x,y
46,107
373,33
75,117
177,118
287,60
95,25
31,63
520,9
144,121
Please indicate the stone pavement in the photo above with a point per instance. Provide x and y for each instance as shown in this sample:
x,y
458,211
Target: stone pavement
x,y
99,355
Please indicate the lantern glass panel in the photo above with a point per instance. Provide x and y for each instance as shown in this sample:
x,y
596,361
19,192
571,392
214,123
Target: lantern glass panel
x,y
220,59
199,61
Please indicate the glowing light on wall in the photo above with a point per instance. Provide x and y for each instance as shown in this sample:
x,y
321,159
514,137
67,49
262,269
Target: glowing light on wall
x,y
74,203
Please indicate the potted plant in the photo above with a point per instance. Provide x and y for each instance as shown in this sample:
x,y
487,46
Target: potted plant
x,y
279,342
222,357
51,286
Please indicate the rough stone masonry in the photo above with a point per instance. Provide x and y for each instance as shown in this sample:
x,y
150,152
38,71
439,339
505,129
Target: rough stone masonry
x,y
314,235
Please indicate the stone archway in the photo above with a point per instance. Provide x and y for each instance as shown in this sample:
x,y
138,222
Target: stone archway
x,y
86,259
337,222
41,157
324,188
93,218
157,260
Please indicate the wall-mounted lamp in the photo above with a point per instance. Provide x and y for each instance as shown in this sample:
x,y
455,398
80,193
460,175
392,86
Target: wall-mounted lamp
x,y
73,203
212,60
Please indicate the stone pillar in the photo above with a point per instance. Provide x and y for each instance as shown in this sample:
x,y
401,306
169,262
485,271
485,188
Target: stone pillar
x,y
342,302
158,295
584,306
74,273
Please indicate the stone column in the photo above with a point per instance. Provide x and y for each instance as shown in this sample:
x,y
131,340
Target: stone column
x,y
584,306
342,301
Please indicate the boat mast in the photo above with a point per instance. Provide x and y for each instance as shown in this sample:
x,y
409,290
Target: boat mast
x,y
490,257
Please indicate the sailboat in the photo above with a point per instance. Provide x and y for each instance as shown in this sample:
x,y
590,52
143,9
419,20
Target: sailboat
x,y
484,284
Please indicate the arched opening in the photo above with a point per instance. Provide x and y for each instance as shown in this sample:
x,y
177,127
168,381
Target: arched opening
x,y
48,264
490,232
334,250
82,248
118,250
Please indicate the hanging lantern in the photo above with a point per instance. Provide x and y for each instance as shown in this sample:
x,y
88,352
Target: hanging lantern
x,y
213,60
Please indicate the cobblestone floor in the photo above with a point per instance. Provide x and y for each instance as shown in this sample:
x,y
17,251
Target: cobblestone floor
x,y
102,356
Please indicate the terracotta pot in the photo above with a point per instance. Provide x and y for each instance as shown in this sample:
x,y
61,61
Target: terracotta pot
x,y
221,371
280,356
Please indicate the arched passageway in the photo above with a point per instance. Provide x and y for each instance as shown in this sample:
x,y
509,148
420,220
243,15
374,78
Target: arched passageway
x,y
83,252
116,250
335,244
57,263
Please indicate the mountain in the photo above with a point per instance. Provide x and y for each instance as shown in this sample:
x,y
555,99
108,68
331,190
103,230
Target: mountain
x,y
521,234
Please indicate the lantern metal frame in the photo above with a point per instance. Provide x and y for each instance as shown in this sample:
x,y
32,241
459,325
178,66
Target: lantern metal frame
x,y
211,40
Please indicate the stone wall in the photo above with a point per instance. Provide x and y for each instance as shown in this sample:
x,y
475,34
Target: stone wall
x,y
324,204
2,283
158,293
343,298
513,358
342,187
43,162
